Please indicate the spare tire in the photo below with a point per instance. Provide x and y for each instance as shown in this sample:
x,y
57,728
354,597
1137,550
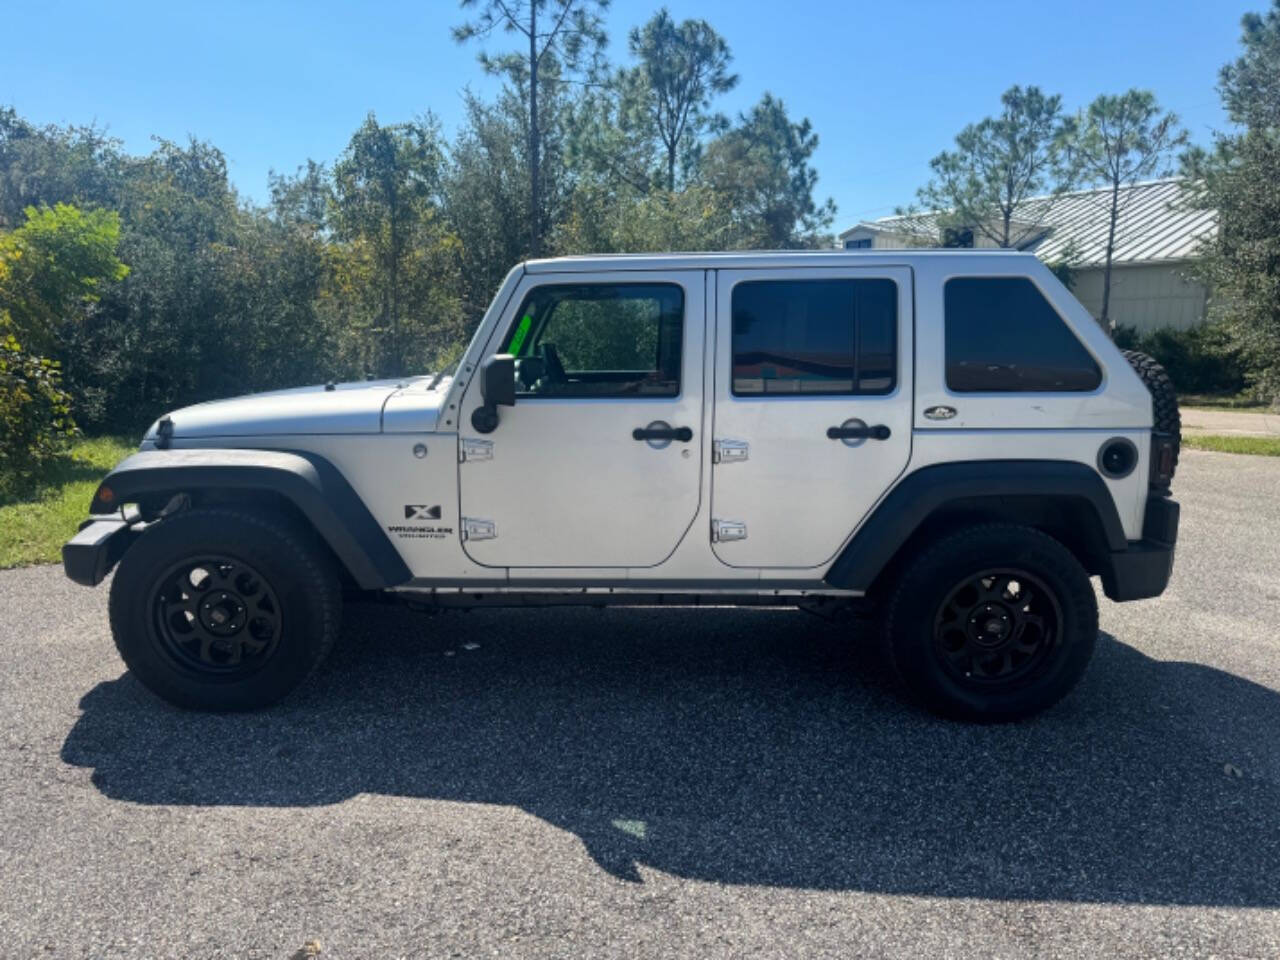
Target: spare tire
x,y
1164,400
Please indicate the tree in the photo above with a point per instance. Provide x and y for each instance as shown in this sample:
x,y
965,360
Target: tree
x,y
386,187
42,166
682,66
304,198
1119,141
52,267
761,173
1005,172
562,34
1239,180
485,195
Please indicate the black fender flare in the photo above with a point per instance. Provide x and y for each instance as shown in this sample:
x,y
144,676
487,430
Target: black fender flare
x,y
311,483
929,490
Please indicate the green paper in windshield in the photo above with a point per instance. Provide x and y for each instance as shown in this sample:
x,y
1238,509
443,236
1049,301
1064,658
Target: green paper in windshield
x,y
517,339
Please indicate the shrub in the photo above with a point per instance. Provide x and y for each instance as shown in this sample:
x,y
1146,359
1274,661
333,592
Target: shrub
x,y
35,413
1198,360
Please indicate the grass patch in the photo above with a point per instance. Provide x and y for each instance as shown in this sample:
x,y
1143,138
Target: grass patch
x,y
1260,446
1237,402
36,519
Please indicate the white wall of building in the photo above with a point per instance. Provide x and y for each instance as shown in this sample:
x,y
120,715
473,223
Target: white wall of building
x,y
1146,297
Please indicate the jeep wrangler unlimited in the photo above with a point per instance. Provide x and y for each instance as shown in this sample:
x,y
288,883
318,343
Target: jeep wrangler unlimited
x,y
946,439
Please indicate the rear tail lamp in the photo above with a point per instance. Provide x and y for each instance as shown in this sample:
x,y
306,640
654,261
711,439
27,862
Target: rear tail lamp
x,y
1164,453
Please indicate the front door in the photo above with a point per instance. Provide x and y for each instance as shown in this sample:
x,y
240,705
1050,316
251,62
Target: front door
x,y
597,464
812,419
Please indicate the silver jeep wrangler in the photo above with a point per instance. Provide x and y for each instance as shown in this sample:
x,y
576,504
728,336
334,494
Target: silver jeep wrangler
x,y
946,440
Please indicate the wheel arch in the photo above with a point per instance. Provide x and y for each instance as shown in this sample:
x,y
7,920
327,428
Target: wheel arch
x,y
302,484
1063,499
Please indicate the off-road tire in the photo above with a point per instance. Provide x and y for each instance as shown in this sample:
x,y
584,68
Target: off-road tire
x,y
917,605
1164,398
288,562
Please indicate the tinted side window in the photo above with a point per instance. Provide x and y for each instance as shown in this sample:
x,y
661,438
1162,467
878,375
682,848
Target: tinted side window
x,y
1002,335
598,340
814,337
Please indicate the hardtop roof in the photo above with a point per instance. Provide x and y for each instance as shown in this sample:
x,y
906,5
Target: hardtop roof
x,y
733,260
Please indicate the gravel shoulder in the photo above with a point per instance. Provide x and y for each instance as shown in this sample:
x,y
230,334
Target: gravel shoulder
x,y
709,783
1250,423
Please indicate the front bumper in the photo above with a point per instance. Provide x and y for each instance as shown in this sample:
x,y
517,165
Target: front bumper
x,y
89,556
1143,570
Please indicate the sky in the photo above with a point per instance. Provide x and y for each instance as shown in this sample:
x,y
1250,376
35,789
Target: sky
x,y
887,85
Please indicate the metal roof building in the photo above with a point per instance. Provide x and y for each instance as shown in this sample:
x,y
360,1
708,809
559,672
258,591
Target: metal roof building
x,y
1157,234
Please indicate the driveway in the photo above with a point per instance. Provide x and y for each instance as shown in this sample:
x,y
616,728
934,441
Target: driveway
x,y
710,783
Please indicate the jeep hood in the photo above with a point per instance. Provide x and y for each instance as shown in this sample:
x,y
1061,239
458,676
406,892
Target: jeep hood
x,y
340,408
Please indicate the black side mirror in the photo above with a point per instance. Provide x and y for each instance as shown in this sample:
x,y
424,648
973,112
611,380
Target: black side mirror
x,y
498,380
497,389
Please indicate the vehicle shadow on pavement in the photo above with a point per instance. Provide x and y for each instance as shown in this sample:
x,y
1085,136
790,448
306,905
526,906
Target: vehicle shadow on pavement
x,y
746,747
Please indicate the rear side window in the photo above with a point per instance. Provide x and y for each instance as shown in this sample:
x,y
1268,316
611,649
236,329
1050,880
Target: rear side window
x,y
1003,336
814,337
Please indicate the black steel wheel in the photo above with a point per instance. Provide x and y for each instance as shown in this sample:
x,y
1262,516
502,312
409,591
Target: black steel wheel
x,y
217,616
997,627
224,609
992,622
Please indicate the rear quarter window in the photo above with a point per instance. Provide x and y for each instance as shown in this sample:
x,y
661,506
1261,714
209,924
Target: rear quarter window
x,y
1003,336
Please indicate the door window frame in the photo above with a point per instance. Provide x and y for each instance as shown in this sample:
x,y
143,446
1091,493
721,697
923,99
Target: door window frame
x,y
827,394
508,330
900,273
695,329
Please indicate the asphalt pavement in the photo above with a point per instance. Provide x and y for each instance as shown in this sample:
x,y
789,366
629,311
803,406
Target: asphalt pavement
x,y
705,782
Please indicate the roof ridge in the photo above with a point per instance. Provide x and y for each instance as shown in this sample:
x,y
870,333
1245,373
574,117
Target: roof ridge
x,y
1056,197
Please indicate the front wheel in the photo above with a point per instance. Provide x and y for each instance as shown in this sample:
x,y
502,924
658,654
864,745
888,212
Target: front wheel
x,y
224,609
994,622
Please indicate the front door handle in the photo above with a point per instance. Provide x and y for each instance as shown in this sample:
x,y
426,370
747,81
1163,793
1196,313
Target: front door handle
x,y
683,434
878,432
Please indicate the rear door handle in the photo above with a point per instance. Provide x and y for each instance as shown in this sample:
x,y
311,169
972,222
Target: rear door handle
x,y
683,434
878,432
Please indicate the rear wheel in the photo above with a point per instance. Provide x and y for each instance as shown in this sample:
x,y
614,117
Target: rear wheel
x,y
224,609
994,622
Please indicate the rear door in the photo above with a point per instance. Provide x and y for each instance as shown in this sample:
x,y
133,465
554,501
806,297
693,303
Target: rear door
x,y
812,416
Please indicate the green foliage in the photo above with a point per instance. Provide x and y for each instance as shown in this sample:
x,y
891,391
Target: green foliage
x,y
41,166
681,67
556,37
54,265
760,173
386,187
220,299
1199,360
485,187
1240,179
998,165
35,413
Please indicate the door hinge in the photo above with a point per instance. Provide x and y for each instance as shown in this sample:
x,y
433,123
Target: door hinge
x,y
722,530
729,451
474,448
474,529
